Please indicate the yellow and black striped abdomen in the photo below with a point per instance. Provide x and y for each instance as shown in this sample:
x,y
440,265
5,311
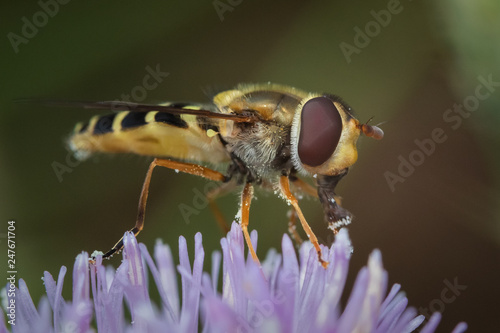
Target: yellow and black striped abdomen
x,y
151,133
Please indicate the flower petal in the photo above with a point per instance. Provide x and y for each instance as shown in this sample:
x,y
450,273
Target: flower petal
x,y
432,324
284,294
158,280
168,275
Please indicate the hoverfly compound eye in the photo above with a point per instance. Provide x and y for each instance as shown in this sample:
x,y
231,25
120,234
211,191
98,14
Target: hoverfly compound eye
x,y
320,130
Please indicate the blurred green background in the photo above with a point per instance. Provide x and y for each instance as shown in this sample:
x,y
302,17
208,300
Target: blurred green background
x,y
440,224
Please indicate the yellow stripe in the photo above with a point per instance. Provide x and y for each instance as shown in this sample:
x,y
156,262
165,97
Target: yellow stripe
x,y
78,127
192,107
150,116
188,118
117,123
92,123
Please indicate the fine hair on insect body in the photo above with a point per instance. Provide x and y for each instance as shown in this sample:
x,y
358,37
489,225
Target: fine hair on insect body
x,y
268,135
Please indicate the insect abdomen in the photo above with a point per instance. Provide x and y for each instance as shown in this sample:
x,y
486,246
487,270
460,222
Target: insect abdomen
x,y
147,133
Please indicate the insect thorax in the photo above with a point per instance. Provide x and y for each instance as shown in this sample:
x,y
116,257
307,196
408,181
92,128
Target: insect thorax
x,y
263,147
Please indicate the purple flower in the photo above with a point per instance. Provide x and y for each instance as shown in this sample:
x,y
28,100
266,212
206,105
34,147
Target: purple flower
x,y
285,294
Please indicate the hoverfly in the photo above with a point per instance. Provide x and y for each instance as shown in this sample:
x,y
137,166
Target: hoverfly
x,y
265,135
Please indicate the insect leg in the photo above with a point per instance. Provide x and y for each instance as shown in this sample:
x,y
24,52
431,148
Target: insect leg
x,y
285,190
190,168
246,199
215,193
292,226
308,189
304,187
336,216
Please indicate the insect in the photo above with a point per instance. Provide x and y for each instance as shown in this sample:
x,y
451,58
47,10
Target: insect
x,y
266,135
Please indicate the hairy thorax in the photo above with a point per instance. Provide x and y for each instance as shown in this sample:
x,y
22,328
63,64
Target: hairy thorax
x,y
263,147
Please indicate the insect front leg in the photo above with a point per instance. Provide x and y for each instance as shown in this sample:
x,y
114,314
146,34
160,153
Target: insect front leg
x,y
285,190
304,186
308,189
246,199
292,227
190,168
335,215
